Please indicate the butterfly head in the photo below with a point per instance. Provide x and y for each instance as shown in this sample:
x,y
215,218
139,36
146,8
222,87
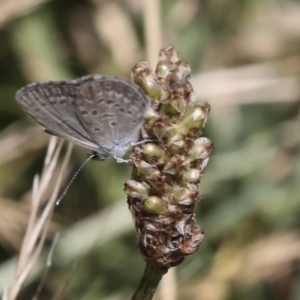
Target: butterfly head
x,y
100,155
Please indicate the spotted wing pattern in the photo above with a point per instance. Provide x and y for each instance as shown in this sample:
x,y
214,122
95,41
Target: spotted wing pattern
x,y
112,111
51,104
100,113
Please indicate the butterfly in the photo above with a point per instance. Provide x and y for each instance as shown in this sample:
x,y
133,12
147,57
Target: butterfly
x,y
103,114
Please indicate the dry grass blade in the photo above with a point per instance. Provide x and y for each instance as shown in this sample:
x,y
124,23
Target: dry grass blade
x,y
248,84
110,17
38,225
264,260
152,29
16,141
14,8
167,288
48,265
13,220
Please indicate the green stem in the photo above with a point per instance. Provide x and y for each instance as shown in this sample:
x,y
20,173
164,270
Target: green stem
x,y
149,282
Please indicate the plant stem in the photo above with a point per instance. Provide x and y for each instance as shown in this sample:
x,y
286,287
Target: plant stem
x,y
149,282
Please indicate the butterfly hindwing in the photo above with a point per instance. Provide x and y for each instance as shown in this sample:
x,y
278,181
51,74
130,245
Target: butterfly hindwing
x,y
112,111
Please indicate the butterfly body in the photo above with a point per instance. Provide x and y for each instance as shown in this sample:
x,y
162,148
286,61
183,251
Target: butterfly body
x,y
103,114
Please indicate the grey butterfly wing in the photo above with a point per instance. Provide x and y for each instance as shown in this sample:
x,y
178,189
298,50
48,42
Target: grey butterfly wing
x,y
51,104
112,111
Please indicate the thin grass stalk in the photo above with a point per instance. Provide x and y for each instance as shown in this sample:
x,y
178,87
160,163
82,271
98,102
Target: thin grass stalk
x,y
152,29
48,265
10,9
153,35
37,191
38,227
35,226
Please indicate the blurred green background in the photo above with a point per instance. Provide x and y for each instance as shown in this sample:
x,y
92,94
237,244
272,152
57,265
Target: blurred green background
x,y
245,60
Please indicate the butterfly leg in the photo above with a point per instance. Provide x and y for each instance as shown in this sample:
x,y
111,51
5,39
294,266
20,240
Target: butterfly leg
x,y
140,142
121,160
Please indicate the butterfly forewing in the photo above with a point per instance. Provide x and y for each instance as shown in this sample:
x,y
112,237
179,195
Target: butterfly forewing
x,y
51,104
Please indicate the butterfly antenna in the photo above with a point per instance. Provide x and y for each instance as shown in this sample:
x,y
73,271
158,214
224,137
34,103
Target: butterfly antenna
x,y
73,178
